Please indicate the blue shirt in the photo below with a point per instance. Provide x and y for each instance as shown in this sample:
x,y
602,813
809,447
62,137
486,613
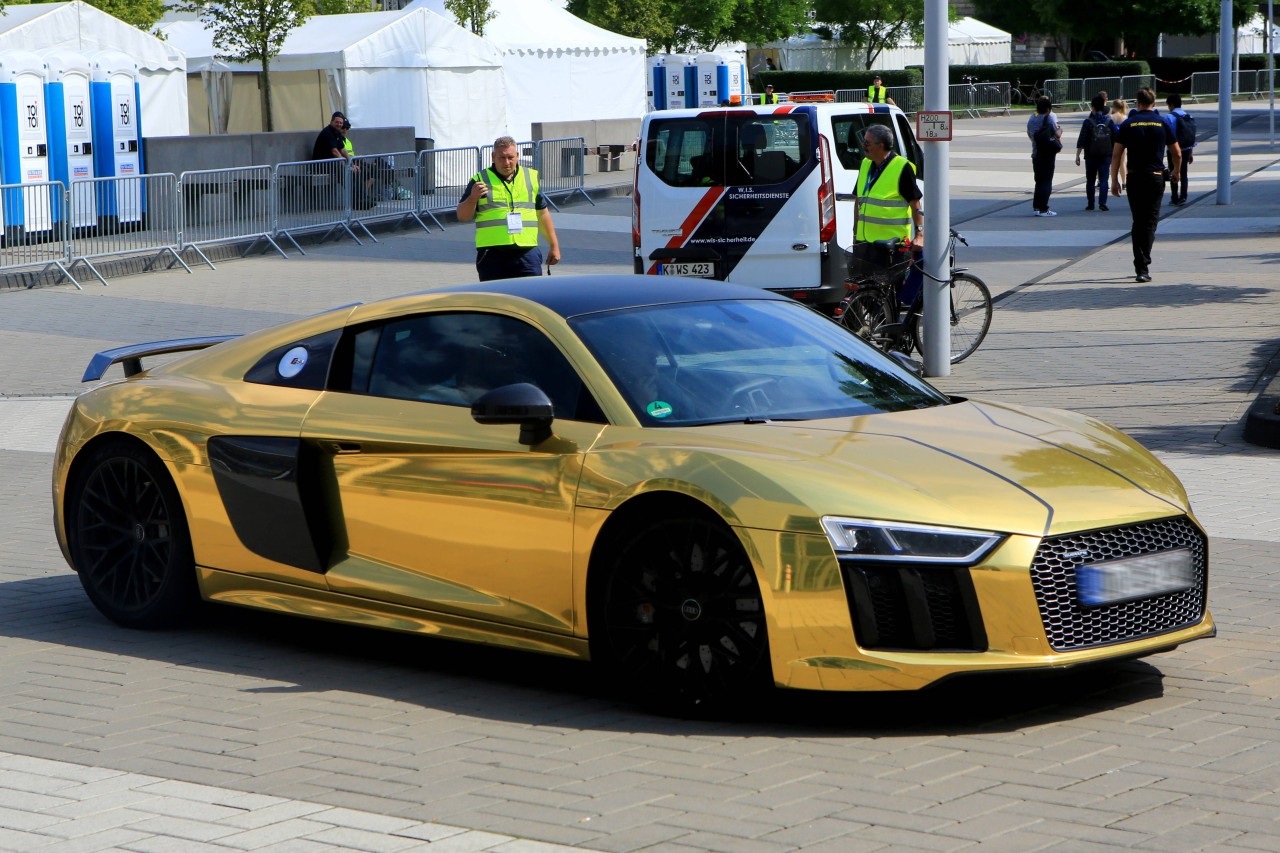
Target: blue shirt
x,y
1173,123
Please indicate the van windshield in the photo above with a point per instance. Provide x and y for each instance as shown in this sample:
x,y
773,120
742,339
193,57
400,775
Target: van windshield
x,y
728,149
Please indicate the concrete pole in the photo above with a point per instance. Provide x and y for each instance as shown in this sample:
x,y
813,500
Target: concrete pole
x,y
937,196
1225,50
1271,74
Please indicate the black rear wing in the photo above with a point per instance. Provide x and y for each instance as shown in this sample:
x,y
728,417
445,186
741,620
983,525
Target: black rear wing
x,y
131,356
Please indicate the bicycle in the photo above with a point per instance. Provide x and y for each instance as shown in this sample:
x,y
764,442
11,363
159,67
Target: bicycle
x,y
1025,93
885,305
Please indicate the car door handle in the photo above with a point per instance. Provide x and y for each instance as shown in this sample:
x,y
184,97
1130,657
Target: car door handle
x,y
343,447
799,247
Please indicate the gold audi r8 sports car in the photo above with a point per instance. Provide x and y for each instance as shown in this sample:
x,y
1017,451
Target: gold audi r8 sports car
x,y
703,488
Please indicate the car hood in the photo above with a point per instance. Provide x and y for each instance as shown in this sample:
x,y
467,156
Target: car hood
x,y
977,465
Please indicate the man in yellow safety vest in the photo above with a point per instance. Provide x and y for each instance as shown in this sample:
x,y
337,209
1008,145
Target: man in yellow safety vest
x,y
877,93
510,211
887,198
768,97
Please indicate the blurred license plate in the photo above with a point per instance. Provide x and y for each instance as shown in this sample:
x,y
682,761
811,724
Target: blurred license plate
x,y
1135,577
696,269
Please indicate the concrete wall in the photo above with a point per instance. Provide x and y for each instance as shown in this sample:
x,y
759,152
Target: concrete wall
x,y
618,133
178,154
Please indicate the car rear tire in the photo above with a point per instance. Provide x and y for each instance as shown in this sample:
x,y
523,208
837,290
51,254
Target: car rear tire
x,y
128,538
678,619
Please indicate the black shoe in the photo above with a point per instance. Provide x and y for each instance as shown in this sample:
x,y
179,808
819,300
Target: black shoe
x,y
1142,278
1088,207
1103,207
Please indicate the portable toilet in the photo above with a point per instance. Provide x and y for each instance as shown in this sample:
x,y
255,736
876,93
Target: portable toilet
x,y
24,144
117,134
720,80
657,92
678,83
71,127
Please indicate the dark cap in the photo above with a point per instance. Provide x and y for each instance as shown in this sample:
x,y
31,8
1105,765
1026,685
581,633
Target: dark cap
x,y
337,115
768,85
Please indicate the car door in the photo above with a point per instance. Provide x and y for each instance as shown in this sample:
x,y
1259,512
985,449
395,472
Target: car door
x,y
679,184
434,510
847,129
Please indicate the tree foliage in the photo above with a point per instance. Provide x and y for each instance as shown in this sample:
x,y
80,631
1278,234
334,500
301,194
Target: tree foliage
x,y
341,7
871,26
252,31
472,14
681,26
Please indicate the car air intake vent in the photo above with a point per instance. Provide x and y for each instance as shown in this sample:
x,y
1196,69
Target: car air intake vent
x,y
1070,625
919,607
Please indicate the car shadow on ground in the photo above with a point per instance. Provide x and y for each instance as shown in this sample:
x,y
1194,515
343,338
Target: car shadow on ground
x,y
309,657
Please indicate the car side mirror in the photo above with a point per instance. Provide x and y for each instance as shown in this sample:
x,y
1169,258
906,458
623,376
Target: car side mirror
x,y
521,403
907,362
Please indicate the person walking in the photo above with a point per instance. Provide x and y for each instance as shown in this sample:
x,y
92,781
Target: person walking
x,y
877,93
510,211
1097,137
1184,130
1120,112
887,197
1046,142
1144,137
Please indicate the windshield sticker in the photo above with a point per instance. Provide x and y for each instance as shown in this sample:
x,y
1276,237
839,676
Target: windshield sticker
x,y
292,362
658,409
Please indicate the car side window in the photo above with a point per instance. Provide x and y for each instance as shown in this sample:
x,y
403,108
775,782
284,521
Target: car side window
x,y
766,149
452,358
849,131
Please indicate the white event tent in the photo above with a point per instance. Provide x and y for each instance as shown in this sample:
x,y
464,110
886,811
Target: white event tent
x,y
559,67
84,29
382,69
969,42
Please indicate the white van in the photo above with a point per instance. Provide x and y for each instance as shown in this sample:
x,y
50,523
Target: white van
x,y
756,195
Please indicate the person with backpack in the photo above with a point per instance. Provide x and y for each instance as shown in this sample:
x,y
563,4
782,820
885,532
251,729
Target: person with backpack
x,y
1097,135
1046,142
1184,130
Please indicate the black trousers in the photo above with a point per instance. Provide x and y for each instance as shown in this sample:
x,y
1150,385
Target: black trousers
x,y
1178,191
1042,166
494,264
1146,192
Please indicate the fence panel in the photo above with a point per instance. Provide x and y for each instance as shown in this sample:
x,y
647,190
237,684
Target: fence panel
x,y
1129,86
311,196
527,151
910,99
1110,85
561,165
384,189
1066,93
34,224
227,205
135,215
443,175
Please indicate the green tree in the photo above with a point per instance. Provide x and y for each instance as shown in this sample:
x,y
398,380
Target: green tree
x,y
870,26
679,26
472,14
142,14
251,31
342,7
759,21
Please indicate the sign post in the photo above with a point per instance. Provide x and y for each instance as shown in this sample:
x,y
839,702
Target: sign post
x,y
934,128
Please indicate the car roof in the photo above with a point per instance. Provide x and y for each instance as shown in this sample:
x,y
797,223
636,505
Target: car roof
x,y
573,295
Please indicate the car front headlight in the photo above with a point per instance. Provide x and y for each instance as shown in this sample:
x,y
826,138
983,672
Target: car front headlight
x,y
865,539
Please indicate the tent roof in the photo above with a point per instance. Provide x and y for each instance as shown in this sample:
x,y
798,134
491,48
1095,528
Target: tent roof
x,y
85,29
962,31
411,38
541,26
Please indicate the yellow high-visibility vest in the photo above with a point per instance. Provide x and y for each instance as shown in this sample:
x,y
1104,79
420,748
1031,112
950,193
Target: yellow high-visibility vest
x,y
503,198
876,94
882,213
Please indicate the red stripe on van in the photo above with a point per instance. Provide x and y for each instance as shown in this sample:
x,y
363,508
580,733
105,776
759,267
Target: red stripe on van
x,y
692,221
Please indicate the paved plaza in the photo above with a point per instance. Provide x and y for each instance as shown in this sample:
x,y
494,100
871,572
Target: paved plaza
x,y
255,732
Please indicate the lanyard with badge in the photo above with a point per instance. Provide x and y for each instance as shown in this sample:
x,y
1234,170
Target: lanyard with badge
x,y
515,221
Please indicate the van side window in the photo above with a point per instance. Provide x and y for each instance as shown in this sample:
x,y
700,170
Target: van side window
x,y
849,131
766,149
682,152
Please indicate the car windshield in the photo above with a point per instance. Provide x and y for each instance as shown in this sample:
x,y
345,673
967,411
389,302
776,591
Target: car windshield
x,y
745,361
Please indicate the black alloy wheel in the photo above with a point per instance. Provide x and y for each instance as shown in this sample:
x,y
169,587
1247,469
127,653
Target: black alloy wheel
x,y
129,539
679,618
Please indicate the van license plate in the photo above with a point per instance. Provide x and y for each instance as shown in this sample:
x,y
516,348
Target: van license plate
x,y
1130,578
696,269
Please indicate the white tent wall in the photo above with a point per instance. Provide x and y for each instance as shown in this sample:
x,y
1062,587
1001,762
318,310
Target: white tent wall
x,y
559,67
969,42
383,69
85,29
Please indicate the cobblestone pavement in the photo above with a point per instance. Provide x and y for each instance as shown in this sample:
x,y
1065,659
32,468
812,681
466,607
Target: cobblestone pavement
x,y
248,732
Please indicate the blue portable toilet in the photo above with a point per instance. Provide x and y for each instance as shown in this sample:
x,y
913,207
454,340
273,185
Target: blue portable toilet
x,y
67,99
117,134
657,94
677,83
24,144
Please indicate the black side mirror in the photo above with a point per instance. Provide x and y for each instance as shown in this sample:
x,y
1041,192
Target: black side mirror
x,y
908,362
522,404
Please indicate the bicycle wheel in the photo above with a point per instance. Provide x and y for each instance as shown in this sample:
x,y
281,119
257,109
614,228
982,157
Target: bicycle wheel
x,y
869,315
970,317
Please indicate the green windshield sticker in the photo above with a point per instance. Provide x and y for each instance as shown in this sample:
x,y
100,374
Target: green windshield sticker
x,y
658,409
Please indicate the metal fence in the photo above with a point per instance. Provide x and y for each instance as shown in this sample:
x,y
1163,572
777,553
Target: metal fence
x,y
1255,84
52,225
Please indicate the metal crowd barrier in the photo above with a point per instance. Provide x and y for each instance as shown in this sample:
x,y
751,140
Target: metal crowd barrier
x,y
1255,84
1129,86
976,98
561,165
314,195
382,187
443,175
1066,93
527,151
228,205
34,223
135,215
1111,85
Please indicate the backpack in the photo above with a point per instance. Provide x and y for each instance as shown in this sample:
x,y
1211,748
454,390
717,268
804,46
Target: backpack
x,y
1100,139
1185,130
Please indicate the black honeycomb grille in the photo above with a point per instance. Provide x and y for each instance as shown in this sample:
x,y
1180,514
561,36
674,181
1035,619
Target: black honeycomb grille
x,y
1068,625
916,607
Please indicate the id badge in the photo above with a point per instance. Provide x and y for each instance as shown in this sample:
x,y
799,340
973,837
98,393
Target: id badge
x,y
515,222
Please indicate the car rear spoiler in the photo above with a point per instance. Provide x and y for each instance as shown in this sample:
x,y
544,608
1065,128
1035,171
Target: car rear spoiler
x,y
133,354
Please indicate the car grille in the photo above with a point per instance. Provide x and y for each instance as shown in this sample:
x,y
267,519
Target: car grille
x,y
918,607
1068,625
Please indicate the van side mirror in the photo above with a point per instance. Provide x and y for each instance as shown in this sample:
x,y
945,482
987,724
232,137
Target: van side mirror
x,y
521,403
